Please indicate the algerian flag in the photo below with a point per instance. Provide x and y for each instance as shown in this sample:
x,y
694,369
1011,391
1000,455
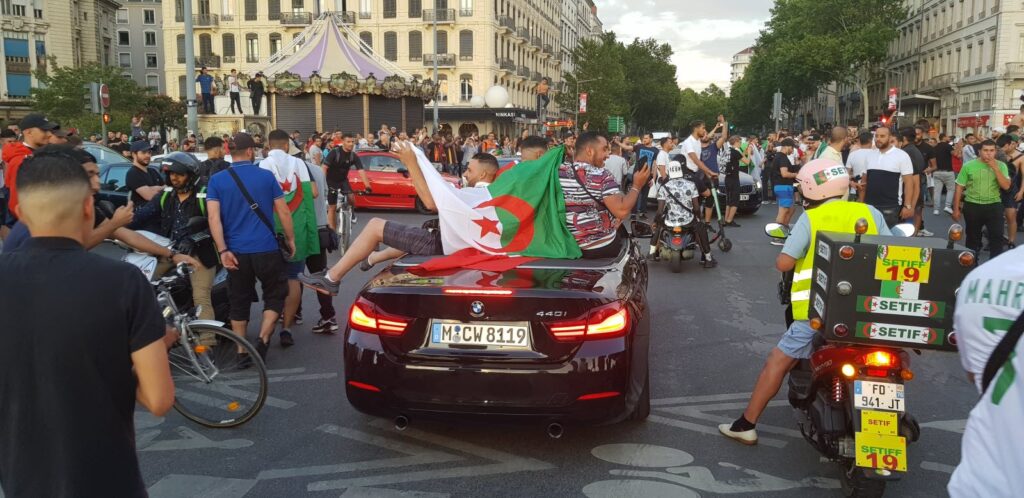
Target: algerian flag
x,y
293,176
521,214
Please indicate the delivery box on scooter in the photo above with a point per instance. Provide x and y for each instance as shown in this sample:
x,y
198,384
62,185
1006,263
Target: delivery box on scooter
x,y
885,290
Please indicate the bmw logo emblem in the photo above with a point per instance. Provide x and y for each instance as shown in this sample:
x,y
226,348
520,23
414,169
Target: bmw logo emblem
x,y
476,308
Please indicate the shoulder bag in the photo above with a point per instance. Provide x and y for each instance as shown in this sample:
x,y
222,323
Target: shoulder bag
x,y
282,242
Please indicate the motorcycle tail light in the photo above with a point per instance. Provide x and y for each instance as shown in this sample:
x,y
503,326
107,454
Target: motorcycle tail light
x,y
848,370
605,322
364,316
677,240
841,330
677,230
880,359
846,252
966,258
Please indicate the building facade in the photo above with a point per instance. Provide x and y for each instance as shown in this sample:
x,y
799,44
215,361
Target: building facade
x,y
73,32
477,44
739,64
139,41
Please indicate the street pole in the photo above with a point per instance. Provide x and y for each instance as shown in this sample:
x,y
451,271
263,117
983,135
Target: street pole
x,y
103,111
190,72
575,121
436,81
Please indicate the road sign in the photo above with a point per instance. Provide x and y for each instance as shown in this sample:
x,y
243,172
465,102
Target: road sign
x,y
777,105
616,124
893,92
104,95
583,103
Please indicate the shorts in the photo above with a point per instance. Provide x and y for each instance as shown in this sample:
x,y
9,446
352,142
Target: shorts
x,y
798,341
332,192
784,194
732,191
413,240
1007,197
269,269
293,269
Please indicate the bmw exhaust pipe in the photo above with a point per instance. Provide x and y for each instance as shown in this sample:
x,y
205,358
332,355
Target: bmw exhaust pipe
x,y
555,430
401,422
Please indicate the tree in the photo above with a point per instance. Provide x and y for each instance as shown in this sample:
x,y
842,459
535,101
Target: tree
x,y
63,95
165,113
822,41
598,66
652,94
705,106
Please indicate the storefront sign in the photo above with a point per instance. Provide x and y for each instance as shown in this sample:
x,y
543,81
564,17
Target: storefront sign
x,y
972,122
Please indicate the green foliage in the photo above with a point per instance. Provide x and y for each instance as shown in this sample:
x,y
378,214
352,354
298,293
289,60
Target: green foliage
x,y
653,93
599,67
164,112
705,105
63,96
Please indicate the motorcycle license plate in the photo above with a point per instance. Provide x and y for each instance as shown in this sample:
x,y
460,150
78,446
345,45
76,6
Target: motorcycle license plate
x,y
744,197
878,451
878,396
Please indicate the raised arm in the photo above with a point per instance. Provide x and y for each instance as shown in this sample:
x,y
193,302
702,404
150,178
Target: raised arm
x,y
407,154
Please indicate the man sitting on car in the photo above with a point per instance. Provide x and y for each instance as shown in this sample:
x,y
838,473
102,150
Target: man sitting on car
x,y
401,238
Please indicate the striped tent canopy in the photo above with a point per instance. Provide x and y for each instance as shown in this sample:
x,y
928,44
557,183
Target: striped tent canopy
x,y
325,50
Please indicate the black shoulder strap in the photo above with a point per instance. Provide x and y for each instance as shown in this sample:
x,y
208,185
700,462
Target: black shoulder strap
x,y
586,190
252,203
1002,352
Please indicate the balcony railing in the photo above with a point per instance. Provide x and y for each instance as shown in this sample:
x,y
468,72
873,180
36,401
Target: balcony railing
x,y
1015,69
211,60
967,73
443,16
344,17
523,72
990,68
229,59
536,76
975,106
537,41
466,12
443,60
507,65
506,23
940,82
227,17
296,18
523,33
465,57
548,49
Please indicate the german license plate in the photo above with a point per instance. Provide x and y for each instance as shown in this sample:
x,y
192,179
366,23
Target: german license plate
x,y
878,451
492,334
878,396
744,197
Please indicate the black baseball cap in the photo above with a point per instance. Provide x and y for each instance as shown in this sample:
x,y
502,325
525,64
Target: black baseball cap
x,y
36,120
8,133
241,141
140,145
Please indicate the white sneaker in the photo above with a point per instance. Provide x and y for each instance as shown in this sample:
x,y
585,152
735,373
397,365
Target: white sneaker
x,y
935,212
746,437
924,233
948,210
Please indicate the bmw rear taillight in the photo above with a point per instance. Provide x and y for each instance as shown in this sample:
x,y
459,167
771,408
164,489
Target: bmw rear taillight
x,y
605,322
366,317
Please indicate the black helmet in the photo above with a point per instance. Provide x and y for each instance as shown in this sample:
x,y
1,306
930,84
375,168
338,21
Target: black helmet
x,y
182,163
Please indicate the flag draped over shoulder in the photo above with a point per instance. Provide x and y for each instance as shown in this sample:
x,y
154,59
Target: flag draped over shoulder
x,y
292,175
521,214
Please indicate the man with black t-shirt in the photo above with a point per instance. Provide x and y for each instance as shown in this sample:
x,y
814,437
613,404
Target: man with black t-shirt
x,y
920,165
143,182
214,163
783,174
70,381
943,177
731,170
337,165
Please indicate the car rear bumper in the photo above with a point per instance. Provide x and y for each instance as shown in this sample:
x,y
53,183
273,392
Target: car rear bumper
x,y
380,384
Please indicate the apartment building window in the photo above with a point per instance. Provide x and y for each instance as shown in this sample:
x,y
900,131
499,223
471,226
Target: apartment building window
x,y
465,8
367,38
442,88
151,61
250,10
227,46
124,59
179,42
981,57
440,4
38,13
416,45
122,16
153,83
365,9
275,43
465,87
390,9
179,10
252,47
298,6
123,39
441,42
415,9
205,45
227,9
391,46
149,38
466,45
274,10
992,55
148,16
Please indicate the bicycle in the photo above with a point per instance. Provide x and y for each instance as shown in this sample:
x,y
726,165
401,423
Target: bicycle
x,y
345,219
219,378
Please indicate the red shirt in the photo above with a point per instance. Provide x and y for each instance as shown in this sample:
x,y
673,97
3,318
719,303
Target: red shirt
x,y
13,155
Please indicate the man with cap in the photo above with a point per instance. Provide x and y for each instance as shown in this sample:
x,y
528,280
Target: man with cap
x,y
245,237
206,89
143,182
35,133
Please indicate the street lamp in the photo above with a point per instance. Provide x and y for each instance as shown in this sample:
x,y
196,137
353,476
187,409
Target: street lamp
x,y
575,122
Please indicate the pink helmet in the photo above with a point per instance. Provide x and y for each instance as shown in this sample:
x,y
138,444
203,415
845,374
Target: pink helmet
x,y
823,179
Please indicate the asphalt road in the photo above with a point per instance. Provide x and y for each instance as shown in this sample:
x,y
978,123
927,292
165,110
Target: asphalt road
x,y
711,332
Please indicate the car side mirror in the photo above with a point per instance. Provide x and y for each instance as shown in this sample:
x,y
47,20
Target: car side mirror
x,y
903,230
402,170
777,231
641,230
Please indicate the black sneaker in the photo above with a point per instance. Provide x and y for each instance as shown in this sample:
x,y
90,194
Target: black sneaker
x,y
732,224
328,326
319,282
262,348
287,340
710,263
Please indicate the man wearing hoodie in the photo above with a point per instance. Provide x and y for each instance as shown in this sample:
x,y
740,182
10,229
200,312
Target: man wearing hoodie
x,y
35,133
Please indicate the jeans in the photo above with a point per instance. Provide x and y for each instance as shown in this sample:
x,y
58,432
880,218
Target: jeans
x,y
236,98
945,179
202,286
978,216
208,103
641,202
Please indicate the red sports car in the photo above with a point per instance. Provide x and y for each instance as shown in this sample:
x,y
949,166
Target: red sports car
x,y
389,183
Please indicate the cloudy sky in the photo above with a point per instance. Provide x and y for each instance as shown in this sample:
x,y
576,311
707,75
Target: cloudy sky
x,y
704,34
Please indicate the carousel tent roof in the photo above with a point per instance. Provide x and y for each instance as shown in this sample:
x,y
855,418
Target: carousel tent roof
x,y
327,51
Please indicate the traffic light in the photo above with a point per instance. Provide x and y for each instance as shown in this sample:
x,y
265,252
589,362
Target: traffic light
x,y
106,118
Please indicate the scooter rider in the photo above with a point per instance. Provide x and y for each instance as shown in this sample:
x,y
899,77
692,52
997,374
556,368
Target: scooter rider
x,y
823,184
676,198
182,199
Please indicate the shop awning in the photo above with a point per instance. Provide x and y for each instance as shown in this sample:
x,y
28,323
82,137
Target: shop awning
x,y
508,114
919,99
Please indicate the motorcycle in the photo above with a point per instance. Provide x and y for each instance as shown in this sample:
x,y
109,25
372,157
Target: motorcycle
x,y
835,391
182,289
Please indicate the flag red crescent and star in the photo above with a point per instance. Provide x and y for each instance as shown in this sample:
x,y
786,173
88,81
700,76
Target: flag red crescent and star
x,y
517,207
296,199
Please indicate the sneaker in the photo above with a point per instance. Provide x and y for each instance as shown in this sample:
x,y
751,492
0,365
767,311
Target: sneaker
x,y
733,224
746,437
643,216
287,340
935,212
354,220
948,210
298,318
710,263
328,326
262,348
320,283
924,233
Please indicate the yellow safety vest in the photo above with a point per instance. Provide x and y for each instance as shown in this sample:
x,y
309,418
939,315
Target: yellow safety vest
x,y
835,216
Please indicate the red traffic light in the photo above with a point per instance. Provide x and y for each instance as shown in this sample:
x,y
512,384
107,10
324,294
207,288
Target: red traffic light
x,y
106,118
885,120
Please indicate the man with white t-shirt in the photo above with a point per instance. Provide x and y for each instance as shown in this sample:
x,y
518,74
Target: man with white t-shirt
x,y
988,303
661,162
859,160
888,182
692,148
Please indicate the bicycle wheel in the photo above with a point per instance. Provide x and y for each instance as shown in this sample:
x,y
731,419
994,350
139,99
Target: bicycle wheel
x,y
346,229
224,384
